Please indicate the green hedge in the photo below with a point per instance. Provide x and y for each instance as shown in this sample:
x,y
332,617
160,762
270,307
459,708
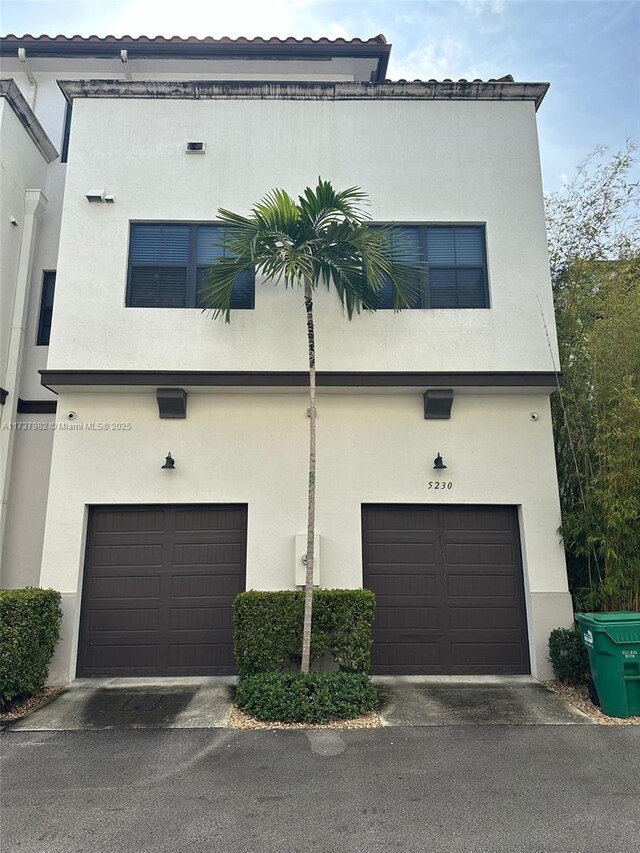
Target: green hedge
x,y
311,697
568,656
268,629
29,630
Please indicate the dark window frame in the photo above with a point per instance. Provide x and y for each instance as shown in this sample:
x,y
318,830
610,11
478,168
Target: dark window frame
x,y
192,267
45,311
425,298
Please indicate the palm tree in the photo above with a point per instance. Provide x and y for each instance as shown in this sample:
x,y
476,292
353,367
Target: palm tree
x,y
322,239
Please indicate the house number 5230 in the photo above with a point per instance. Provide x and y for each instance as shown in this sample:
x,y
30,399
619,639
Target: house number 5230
x,y
440,484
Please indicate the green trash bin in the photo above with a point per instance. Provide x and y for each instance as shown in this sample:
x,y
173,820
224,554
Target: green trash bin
x,y
613,643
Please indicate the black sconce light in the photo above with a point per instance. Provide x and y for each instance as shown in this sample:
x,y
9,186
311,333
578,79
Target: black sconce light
x,y
438,463
169,462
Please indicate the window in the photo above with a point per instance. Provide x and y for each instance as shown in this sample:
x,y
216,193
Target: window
x,y
168,263
46,308
453,266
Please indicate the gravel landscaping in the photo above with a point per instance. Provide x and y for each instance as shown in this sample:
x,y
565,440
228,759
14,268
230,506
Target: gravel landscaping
x,y
240,720
21,707
579,698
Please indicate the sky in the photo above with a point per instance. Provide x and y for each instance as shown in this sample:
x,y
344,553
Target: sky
x,y
589,50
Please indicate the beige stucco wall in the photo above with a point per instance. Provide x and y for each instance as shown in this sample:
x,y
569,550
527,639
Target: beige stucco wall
x,y
429,161
252,448
27,509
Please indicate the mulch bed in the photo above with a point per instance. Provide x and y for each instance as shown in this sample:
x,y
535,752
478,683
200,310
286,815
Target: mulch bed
x,y
240,720
19,708
577,696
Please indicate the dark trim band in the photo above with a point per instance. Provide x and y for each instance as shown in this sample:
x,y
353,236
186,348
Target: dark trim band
x,y
28,120
37,407
54,379
3,395
446,90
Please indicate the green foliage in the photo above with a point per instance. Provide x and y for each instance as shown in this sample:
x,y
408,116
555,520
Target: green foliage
x,y
594,243
568,656
306,697
268,628
29,630
323,238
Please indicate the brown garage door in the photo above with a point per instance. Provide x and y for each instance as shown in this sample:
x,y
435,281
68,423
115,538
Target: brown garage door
x,y
449,589
158,586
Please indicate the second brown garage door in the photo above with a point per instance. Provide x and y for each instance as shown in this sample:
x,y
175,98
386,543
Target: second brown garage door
x,y
449,589
158,587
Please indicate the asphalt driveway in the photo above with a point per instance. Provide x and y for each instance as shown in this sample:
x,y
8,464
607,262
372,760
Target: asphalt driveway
x,y
478,789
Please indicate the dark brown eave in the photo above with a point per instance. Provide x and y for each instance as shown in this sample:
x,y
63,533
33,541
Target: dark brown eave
x,y
57,380
460,90
205,48
27,119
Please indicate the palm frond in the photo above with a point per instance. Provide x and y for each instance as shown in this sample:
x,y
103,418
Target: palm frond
x,y
323,238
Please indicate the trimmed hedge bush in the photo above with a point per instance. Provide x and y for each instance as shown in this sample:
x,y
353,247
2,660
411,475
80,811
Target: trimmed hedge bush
x,y
568,656
29,630
311,697
268,628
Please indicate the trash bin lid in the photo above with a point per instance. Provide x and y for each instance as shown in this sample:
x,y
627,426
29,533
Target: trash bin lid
x,y
625,617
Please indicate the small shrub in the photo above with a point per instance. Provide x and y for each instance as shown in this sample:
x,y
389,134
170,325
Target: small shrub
x,y
29,630
268,628
568,656
312,697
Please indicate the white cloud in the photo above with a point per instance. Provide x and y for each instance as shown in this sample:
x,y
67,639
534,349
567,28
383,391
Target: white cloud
x,y
439,59
201,18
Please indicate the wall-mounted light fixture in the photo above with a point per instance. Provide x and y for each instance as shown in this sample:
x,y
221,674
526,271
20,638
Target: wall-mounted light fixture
x,y
438,463
169,463
100,196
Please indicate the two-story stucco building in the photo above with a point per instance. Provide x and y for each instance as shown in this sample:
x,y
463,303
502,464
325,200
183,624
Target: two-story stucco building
x,y
117,154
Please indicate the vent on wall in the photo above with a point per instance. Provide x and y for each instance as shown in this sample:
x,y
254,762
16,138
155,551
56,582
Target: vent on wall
x,y
194,148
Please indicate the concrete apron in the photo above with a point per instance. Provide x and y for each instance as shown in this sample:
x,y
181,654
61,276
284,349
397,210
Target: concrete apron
x,y
474,700
202,703
136,703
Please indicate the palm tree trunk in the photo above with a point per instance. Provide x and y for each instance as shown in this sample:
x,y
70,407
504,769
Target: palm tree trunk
x,y
311,510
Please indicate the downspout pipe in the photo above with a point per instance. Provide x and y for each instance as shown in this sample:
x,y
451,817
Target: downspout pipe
x,y
33,87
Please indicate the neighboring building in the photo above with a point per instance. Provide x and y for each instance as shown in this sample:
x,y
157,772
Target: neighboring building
x,y
465,561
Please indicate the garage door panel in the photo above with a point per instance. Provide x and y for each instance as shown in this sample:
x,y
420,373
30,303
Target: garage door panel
x,y
125,657
190,554
118,586
491,586
409,616
198,618
122,619
419,518
194,657
414,553
127,555
394,583
467,519
405,658
211,519
501,655
477,557
468,603
202,586
473,616
128,520
160,604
